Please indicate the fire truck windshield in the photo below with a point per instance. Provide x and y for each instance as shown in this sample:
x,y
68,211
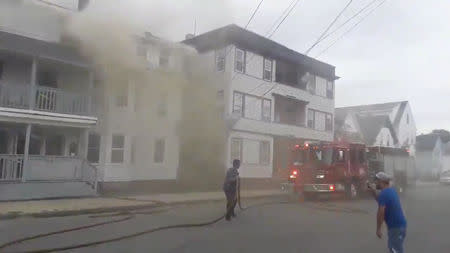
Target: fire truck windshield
x,y
323,155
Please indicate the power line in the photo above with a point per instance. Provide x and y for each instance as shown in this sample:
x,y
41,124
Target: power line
x,y
346,21
282,21
254,13
351,28
329,27
280,17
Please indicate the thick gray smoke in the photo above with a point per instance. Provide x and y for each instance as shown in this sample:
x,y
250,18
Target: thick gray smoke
x,y
106,35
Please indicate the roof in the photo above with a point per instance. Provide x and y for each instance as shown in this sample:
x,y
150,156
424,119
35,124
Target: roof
x,y
371,126
43,49
376,109
426,142
233,34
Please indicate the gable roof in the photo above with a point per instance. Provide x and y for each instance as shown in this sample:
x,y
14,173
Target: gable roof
x,y
426,142
370,127
378,109
233,34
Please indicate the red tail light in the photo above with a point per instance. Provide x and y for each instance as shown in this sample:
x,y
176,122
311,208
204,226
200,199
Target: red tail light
x,y
294,174
331,187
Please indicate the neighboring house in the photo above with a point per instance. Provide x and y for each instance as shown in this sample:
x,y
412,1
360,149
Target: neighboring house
x,y
446,157
429,156
392,124
276,97
46,109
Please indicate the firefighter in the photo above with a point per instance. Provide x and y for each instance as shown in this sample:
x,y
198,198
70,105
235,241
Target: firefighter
x,y
230,188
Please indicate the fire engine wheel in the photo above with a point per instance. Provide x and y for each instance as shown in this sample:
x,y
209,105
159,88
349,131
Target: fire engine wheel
x,y
352,191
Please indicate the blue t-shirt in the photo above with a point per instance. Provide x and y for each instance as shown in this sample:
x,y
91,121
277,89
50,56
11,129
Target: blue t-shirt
x,y
393,215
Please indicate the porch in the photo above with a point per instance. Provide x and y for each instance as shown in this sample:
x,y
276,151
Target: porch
x,y
42,156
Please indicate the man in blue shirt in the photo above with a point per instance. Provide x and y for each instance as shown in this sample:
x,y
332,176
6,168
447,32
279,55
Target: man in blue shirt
x,y
230,188
390,211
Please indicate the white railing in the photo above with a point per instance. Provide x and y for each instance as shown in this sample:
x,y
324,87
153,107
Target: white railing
x,y
90,174
56,100
45,99
11,167
16,96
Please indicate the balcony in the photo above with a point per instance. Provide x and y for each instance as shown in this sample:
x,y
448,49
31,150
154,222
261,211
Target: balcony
x,y
45,99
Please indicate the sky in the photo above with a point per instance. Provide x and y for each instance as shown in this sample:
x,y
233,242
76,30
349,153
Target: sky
x,y
399,52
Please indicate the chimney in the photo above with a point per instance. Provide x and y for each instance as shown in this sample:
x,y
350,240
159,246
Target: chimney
x,y
189,36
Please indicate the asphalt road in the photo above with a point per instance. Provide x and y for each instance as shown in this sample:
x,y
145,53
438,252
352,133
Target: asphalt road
x,y
322,226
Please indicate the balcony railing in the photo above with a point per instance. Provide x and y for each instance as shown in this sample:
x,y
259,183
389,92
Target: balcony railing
x,y
11,167
45,99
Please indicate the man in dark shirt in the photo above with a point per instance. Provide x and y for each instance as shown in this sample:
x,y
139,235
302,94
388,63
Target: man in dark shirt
x,y
390,211
230,188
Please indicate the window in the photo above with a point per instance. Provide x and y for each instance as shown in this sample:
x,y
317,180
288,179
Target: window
x,y
117,148
310,118
264,154
55,145
407,119
312,83
267,75
239,64
121,97
388,143
164,58
319,121
340,155
158,154
236,149
93,155
220,59
267,110
162,107
329,122
238,103
321,86
252,107
251,151
330,90
47,79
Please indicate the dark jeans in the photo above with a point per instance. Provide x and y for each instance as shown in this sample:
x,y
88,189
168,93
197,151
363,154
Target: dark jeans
x,y
396,236
231,203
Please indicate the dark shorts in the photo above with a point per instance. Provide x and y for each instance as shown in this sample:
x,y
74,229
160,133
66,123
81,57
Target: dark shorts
x,y
396,236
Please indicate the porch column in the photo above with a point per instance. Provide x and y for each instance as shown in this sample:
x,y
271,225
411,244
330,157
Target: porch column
x,y
34,68
90,92
26,162
83,143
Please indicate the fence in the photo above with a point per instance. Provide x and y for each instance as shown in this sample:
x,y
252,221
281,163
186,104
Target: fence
x,y
11,167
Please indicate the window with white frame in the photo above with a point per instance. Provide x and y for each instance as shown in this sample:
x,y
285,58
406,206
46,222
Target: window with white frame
x,y
251,151
239,64
220,59
330,90
312,83
121,96
321,86
319,121
238,103
159,150
133,150
117,149
329,122
162,107
267,75
310,118
267,110
252,107
264,153
236,149
93,155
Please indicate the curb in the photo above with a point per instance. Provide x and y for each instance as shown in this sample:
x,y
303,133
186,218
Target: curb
x,y
153,204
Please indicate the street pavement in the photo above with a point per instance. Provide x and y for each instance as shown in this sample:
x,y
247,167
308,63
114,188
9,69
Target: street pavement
x,y
321,226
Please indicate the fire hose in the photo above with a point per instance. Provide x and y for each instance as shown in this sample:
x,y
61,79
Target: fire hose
x,y
124,237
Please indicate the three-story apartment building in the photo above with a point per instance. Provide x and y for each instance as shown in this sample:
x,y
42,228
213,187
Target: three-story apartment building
x,y
275,96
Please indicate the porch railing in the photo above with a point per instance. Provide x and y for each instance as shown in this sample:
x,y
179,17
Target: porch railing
x,y
11,167
45,99
90,174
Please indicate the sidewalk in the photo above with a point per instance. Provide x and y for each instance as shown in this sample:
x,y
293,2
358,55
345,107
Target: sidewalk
x,y
62,207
